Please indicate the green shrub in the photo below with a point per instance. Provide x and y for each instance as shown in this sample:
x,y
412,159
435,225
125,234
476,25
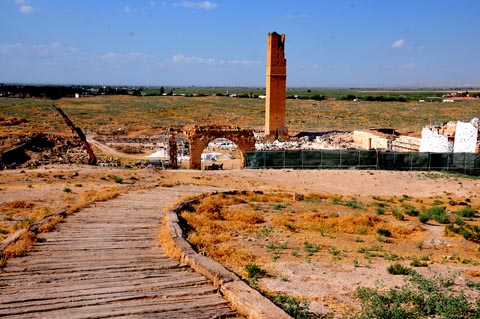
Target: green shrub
x,y
310,249
296,309
352,203
466,212
469,232
384,232
424,218
398,269
254,272
117,179
438,213
392,257
398,214
418,298
410,210
418,263
335,253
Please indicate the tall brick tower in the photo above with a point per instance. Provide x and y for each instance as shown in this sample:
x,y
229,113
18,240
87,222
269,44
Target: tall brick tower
x,y
276,77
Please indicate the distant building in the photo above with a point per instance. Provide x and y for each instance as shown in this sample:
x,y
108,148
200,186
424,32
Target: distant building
x,y
461,99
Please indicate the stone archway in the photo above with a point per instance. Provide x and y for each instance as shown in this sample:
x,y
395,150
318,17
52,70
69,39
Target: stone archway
x,y
200,136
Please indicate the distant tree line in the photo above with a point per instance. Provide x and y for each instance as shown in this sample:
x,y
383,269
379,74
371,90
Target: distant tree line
x,y
351,97
46,91
59,91
376,98
316,97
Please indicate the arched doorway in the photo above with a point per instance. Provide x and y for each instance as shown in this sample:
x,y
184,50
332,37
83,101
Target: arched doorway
x,y
200,136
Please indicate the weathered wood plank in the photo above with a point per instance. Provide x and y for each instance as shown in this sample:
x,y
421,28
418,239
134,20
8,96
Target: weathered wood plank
x,y
105,262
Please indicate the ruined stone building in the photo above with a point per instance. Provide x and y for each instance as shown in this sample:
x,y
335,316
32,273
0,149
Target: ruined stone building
x,y
455,136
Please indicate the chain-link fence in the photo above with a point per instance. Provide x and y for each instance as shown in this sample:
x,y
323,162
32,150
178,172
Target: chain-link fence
x,y
467,163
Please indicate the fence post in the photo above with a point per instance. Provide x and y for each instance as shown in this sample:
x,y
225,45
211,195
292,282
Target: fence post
x,y
340,160
321,158
301,153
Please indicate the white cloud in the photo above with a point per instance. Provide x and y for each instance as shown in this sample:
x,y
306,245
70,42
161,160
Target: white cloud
x,y
297,16
244,62
43,50
409,66
205,5
183,59
115,56
26,9
398,44
7,48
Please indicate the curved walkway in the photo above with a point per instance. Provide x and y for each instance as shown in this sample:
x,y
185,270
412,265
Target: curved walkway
x,y
105,262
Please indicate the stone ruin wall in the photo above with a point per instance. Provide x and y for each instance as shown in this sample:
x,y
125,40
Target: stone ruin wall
x,y
369,141
457,137
466,138
405,143
374,140
435,142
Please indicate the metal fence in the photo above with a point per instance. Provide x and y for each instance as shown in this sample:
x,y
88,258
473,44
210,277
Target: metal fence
x,y
467,163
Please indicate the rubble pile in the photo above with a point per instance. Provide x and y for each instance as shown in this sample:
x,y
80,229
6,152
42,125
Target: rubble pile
x,y
327,140
43,149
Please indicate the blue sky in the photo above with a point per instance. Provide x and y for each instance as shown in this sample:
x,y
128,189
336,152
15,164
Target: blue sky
x,y
354,43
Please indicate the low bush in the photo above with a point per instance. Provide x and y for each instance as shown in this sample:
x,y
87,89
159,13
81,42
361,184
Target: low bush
x,y
296,309
398,269
419,298
384,232
398,214
410,210
466,212
254,272
438,213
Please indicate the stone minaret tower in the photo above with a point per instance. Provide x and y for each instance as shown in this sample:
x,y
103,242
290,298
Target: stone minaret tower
x,y
276,77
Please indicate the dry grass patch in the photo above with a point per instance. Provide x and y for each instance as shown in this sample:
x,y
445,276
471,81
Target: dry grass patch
x,y
214,224
20,204
50,224
167,242
279,231
21,245
89,197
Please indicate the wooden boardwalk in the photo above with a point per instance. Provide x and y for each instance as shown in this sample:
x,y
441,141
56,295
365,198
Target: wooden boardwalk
x,y
105,262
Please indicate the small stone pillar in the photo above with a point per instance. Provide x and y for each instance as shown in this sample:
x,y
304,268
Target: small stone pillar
x,y
172,150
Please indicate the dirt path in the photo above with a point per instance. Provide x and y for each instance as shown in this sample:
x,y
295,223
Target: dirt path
x,y
109,151
105,261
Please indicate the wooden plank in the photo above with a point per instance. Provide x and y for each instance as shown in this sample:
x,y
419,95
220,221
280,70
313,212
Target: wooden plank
x,y
105,262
